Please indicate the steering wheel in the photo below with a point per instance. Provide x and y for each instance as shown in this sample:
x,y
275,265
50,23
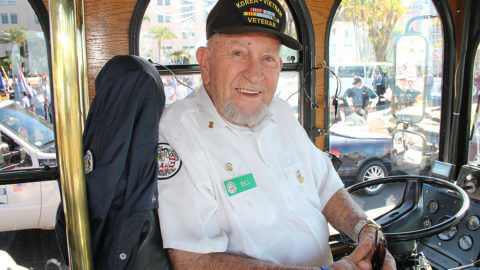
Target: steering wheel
x,y
412,205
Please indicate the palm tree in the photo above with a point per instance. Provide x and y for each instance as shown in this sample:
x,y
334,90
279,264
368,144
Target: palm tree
x,y
14,35
161,33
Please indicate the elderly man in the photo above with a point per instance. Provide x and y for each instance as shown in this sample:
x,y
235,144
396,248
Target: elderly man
x,y
241,186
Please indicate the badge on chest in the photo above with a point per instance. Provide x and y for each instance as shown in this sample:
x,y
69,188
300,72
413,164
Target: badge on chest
x,y
240,184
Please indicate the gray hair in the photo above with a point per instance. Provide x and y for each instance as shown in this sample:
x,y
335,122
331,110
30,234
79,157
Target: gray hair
x,y
250,119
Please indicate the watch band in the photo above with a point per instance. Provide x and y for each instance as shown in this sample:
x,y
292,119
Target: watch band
x,y
361,224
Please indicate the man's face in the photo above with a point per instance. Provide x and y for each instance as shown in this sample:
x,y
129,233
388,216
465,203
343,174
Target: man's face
x,y
240,73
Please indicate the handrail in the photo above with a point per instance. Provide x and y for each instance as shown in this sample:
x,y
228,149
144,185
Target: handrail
x,y
67,51
29,175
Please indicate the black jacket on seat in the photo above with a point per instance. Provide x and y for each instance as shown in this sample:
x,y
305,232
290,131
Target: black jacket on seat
x,y
120,147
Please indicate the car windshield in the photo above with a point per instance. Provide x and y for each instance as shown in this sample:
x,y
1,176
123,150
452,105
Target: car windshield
x,y
28,126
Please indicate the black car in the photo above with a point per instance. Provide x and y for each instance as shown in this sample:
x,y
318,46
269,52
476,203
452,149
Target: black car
x,y
363,159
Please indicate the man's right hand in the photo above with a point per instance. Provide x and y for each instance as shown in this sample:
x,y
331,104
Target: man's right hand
x,y
356,259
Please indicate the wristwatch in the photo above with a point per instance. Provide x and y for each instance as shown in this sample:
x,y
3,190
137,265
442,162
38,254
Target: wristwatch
x,y
361,224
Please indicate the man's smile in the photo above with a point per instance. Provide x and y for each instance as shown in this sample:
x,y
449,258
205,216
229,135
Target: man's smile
x,y
247,91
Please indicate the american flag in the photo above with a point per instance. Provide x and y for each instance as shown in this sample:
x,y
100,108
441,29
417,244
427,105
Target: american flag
x,y
4,75
17,187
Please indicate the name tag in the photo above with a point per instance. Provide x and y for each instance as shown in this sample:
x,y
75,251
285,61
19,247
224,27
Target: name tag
x,y
239,184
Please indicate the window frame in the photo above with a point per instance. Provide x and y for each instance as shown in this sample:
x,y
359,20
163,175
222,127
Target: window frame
x,y
470,44
36,174
305,65
449,56
13,18
6,17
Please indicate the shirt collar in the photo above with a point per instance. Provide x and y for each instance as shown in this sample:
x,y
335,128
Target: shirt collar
x,y
209,117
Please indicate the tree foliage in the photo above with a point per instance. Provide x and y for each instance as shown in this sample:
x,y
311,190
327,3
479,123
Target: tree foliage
x,y
180,55
161,33
376,18
13,35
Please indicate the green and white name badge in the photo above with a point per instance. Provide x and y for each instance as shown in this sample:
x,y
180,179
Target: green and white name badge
x,y
239,184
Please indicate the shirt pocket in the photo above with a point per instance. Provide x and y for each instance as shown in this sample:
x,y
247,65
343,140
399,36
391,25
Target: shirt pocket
x,y
298,175
244,201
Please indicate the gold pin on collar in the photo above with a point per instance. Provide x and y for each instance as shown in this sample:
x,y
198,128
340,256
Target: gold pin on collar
x,y
300,177
229,167
210,124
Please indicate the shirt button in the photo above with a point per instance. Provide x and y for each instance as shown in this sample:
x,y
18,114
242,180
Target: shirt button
x,y
123,256
249,203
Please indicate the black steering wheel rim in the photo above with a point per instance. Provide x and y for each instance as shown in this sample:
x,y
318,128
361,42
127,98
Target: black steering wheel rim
x,y
435,229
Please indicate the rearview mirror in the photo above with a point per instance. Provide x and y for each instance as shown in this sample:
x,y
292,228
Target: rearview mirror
x,y
410,64
409,147
4,152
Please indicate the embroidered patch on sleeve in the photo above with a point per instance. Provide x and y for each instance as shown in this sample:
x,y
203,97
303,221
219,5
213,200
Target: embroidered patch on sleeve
x,y
88,161
169,162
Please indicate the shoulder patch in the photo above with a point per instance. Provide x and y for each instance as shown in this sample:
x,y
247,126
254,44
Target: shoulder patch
x,y
88,161
169,162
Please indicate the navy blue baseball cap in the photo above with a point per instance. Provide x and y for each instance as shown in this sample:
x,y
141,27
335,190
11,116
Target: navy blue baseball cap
x,y
243,16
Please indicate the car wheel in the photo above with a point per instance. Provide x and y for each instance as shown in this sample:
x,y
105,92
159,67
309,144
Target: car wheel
x,y
370,171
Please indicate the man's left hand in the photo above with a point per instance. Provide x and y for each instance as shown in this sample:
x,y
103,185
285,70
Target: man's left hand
x,y
366,263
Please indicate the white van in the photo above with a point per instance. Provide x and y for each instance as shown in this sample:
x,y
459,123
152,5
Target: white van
x,y
364,70
27,141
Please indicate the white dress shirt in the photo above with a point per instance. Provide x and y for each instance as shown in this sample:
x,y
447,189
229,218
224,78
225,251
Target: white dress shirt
x,y
279,220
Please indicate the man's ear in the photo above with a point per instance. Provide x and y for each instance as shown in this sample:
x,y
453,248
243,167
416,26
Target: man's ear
x,y
203,59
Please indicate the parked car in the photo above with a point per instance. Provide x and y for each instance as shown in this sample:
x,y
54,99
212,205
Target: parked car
x,y
363,158
27,141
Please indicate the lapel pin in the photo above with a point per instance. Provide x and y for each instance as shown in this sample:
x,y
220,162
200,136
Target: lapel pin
x,y
300,177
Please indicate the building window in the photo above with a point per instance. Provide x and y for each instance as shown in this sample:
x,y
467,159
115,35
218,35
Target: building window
x,y
186,48
187,9
12,2
13,18
3,2
160,18
160,2
167,2
188,35
4,18
168,19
